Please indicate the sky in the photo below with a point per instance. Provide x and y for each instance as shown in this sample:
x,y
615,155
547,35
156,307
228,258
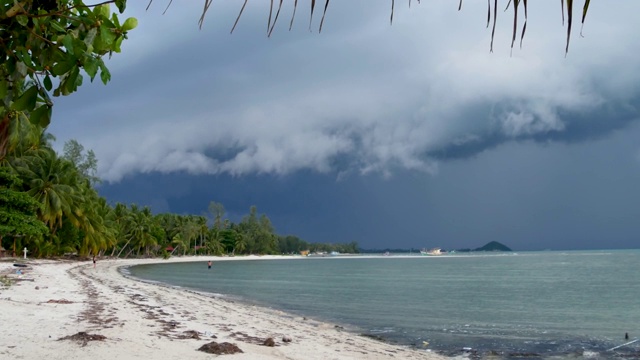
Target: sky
x,y
395,136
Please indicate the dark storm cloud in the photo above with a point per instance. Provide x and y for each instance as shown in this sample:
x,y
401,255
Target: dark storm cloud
x,y
579,127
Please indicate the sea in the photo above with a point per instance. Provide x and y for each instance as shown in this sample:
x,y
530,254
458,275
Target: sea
x,y
534,305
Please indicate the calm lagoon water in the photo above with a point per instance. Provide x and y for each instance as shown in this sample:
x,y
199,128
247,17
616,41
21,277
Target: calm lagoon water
x,y
556,304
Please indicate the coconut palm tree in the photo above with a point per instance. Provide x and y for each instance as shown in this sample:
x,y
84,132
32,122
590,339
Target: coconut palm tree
x,y
53,182
142,229
240,244
179,241
99,231
118,219
214,242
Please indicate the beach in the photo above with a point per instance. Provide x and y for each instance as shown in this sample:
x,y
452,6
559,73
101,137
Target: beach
x,y
71,310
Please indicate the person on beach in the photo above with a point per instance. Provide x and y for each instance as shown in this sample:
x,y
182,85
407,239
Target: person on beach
x,y
209,264
94,261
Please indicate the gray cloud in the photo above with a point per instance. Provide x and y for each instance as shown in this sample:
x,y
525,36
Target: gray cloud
x,y
362,97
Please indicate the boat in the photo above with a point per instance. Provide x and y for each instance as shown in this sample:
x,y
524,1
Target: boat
x,y
432,252
318,254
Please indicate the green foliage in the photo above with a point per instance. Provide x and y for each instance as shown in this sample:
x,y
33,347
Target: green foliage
x,y
86,163
349,248
291,245
41,41
17,210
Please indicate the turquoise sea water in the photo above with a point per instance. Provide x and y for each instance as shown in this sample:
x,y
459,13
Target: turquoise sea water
x,y
566,304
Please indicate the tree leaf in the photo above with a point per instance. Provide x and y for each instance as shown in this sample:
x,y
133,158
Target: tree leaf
x,y
57,27
22,20
103,10
41,116
26,101
116,46
91,66
107,35
130,24
47,83
70,81
67,41
121,5
63,67
105,75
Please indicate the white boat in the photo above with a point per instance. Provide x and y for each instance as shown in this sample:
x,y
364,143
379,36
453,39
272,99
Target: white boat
x,y
432,252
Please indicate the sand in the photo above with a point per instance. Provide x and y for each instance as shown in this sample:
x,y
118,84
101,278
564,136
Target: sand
x,y
139,320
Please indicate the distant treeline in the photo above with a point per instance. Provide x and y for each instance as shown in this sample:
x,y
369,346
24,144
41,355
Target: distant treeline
x,y
294,245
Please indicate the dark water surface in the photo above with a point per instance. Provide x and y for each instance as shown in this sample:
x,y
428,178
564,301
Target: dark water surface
x,y
547,304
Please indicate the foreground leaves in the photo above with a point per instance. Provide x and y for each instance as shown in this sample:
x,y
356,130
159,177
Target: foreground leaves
x,y
492,13
46,40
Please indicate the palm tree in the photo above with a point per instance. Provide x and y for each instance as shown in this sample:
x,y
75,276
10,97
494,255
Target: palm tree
x,y
240,244
179,241
119,220
191,230
53,182
99,231
214,243
21,136
142,229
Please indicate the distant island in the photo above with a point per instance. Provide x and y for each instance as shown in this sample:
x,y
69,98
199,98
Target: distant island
x,y
490,246
493,246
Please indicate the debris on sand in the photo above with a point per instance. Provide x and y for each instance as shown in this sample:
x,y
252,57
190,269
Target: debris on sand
x,y
269,342
61,301
83,338
220,349
189,334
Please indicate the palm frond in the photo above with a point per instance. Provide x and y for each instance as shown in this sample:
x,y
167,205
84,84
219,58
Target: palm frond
x,y
585,8
271,22
569,20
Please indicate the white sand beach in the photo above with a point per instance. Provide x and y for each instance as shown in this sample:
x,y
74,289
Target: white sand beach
x,y
53,299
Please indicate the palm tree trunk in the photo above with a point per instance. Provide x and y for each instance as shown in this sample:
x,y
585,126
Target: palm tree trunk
x,y
125,245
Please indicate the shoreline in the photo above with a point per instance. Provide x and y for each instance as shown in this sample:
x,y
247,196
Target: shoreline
x,y
141,319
